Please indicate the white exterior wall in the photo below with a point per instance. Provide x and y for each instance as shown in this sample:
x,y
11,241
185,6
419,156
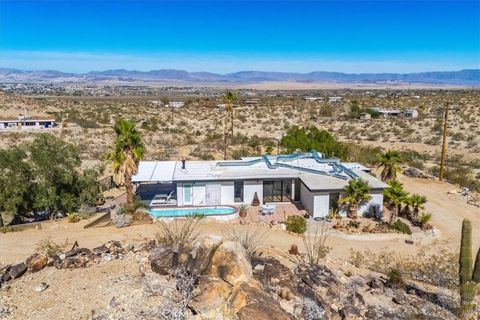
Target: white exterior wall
x,y
306,197
227,193
179,194
249,189
199,192
321,204
377,200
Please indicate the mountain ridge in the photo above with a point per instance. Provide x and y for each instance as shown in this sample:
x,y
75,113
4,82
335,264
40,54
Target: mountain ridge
x,y
460,77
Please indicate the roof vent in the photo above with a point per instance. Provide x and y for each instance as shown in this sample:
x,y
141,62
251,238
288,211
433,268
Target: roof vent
x,y
183,164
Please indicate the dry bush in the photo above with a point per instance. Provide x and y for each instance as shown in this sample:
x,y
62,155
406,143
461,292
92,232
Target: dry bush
x,y
179,231
248,238
437,268
50,248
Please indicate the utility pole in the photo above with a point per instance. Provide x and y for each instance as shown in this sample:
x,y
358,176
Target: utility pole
x,y
444,144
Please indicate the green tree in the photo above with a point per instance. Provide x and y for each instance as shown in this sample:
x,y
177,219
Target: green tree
x,y
126,152
301,139
417,202
356,192
44,176
395,195
389,162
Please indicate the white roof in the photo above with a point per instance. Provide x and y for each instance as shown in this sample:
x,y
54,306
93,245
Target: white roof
x,y
315,171
151,171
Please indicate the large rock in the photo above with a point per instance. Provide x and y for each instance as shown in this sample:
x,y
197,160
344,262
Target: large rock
x,y
230,263
270,271
250,302
161,259
36,262
213,297
199,257
16,271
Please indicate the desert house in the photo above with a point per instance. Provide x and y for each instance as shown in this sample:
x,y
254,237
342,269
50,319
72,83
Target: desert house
x,y
396,113
27,122
308,179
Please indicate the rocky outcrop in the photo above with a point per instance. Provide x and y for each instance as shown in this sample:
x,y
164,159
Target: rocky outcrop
x,y
36,262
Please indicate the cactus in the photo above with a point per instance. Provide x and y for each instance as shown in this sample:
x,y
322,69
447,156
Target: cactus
x,y
476,270
469,278
465,260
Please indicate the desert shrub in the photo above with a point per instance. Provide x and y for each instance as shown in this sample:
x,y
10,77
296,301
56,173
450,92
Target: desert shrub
x,y
296,224
402,227
395,278
425,218
315,245
354,224
439,268
249,239
179,231
73,217
50,247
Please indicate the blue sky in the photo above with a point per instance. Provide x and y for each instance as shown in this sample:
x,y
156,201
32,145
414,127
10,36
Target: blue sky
x,y
227,36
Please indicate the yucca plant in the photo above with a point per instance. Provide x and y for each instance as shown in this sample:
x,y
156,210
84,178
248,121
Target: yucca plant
x,y
469,274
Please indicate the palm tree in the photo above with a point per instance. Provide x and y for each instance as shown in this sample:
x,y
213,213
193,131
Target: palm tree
x,y
126,152
395,194
228,97
355,192
389,161
417,201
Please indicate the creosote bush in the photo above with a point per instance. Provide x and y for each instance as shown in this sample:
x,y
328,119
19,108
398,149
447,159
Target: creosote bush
x,y
50,247
296,224
402,227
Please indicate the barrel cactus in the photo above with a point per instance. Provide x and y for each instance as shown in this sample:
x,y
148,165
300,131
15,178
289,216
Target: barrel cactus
x,y
469,274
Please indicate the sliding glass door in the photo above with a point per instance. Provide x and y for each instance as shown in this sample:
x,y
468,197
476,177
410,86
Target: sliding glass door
x,y
277,191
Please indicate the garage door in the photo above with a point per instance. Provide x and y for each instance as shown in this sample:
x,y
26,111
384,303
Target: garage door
x,y
212,196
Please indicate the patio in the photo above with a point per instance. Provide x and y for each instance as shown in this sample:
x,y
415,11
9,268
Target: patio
x,y
282,211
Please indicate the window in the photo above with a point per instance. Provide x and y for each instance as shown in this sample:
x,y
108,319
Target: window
x,y
333,200
238,191
277,191
187,193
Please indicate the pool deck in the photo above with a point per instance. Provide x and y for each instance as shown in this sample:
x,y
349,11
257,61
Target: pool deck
x,y
282,211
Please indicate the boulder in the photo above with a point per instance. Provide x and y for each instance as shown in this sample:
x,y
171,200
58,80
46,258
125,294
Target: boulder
x,y
114,246
122,220
16,271
270,271
250,302
213,296
36,262
230,263
100,250
200,255
161,260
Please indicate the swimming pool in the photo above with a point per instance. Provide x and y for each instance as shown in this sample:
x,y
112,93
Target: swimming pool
x,y
182,212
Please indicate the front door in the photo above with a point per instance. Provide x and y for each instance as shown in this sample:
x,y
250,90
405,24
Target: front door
x,y
187,194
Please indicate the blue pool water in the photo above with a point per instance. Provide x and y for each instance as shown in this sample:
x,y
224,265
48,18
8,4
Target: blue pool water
x,y
181,212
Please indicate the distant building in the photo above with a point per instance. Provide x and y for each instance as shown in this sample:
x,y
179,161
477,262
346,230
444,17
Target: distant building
x,y
410,113
313,98
334,99
365,116
176,104
252,102
27,122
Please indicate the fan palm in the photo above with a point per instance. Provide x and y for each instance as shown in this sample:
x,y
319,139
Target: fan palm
x,y
355,192
126,152
417,201
395,194
389,162
228,97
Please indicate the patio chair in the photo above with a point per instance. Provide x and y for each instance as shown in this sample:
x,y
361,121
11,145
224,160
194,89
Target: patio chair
x,y
264,209
271,209
169,196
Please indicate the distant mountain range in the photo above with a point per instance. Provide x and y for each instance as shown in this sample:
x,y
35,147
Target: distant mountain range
x,y
462,77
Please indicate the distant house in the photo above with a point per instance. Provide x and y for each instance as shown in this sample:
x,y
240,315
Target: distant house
x,y
27,122
365,116
334,99
410,113
176,104
252,102
313,98
396,113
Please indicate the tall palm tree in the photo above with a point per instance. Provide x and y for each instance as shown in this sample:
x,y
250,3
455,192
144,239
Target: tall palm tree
x,y
228,97
126,152
395,194
417,201
389,161
355,192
